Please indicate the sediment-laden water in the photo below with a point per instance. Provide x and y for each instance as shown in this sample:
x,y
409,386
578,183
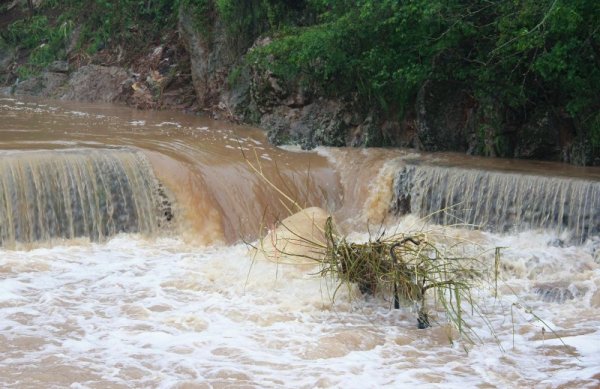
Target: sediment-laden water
x,y
500,201
72,193
117,301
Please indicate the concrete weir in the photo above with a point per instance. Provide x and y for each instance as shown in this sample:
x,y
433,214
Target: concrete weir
x,y
499,201
93,193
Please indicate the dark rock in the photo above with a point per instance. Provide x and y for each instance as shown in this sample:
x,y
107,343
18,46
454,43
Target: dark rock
x,y
423,321
94,83
582,153
558,292
267,93
210,56
556,242
7,56
368,134
445,116
47,84
165,207
403,189
398,134
238,99
73,40
312,125
489,136
539,138
59,67
374,133
292,115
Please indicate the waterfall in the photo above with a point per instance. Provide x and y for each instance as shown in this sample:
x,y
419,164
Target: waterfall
x,y
499,201
93,193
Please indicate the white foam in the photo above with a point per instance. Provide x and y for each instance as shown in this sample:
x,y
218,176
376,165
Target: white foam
x,y
138,313
170,124
78,113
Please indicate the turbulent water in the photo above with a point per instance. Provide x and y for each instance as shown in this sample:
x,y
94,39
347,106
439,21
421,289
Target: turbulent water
x,y
74,193
99,289
500,201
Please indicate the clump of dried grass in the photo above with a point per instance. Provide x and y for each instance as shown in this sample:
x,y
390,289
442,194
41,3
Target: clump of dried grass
x,y
411,269
405,268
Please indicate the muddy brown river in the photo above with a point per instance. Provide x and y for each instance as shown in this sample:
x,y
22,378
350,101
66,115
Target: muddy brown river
x,y
124,259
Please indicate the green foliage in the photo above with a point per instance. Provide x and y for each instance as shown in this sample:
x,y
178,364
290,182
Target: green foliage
x,y
103,23
28,33
234,76
595,129
24,72
130,23
202,12
523,53
45,42
372,50
563,58
244,21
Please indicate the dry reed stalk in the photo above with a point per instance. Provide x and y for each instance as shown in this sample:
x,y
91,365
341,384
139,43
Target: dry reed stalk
x,y
408,268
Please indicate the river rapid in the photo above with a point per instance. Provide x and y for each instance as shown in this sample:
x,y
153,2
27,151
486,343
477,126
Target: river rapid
x,y
186,304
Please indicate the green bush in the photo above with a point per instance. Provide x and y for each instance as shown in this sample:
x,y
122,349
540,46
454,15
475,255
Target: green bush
x,y
378,51
107,23
523,53
45,42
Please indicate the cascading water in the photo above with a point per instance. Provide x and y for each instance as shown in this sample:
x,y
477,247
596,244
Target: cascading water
x,y
93,193
198,309
499,201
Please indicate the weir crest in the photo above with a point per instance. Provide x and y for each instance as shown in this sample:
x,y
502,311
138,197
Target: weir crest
x,y
65,194
498,201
